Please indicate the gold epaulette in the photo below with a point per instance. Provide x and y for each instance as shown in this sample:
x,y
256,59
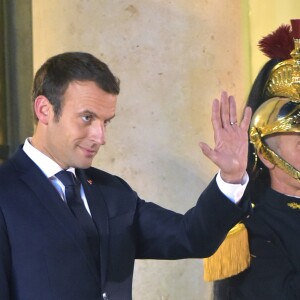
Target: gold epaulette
x,y
231,258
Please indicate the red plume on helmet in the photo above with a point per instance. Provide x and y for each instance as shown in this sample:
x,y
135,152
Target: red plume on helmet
x,y
278,44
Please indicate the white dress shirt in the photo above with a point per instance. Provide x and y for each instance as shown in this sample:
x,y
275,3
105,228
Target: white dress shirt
x,y
49,167
233,192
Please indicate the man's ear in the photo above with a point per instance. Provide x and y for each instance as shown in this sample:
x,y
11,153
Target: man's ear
x,y
42,109
267,163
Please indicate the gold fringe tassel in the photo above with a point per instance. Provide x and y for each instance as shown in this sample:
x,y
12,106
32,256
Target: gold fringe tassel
x,y
232,257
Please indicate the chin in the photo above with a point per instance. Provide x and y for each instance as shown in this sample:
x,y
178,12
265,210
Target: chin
x,y
84,166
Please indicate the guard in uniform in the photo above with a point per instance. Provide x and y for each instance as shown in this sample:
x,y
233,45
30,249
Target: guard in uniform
x,y
260,258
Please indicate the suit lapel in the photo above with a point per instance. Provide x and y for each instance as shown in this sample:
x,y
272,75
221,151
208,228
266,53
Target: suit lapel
x,y
39,184
100,216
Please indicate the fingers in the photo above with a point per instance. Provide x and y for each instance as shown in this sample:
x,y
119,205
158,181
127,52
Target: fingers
x,y
227,109
228,113
230,150
232,111
246,118
215,115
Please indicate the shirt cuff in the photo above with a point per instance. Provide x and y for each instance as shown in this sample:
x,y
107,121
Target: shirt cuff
x,y
234,192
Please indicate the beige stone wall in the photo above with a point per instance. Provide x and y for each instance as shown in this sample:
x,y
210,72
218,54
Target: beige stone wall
x,y
173,57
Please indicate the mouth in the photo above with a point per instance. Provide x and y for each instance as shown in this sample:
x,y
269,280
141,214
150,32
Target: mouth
x,y
89,152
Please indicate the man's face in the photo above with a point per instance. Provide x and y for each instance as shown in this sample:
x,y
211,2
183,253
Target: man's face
x,y
74,140
288,147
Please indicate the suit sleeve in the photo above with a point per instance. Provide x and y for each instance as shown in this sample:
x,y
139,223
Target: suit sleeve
x,y
5,261
164,234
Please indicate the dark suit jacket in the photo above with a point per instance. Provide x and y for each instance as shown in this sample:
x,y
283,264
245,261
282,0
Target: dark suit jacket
x,y
44,254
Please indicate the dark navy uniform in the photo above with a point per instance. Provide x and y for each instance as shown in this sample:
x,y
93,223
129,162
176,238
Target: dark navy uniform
x,y
274,237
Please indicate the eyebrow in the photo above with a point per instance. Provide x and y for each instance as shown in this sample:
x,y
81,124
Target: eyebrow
x,y
94,115
109,119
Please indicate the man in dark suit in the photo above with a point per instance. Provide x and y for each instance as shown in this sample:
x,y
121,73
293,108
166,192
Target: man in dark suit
x,y
72,232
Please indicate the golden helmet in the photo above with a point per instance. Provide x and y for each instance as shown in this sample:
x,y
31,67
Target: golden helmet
x,y
281,113
276,115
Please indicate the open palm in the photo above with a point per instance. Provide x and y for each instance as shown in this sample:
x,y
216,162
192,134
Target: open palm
x,y
231,139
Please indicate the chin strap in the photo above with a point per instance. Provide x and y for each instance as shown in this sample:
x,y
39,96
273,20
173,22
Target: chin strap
x,y
278,161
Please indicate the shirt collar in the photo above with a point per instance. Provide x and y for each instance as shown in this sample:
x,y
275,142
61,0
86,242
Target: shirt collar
x,y
48,166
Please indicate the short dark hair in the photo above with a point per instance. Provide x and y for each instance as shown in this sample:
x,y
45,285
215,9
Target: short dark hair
x,y
55,75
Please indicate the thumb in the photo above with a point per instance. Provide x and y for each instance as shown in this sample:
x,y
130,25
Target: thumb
x,y
206,150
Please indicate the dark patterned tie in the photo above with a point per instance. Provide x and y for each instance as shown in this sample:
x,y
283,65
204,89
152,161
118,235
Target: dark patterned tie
x,y
76,205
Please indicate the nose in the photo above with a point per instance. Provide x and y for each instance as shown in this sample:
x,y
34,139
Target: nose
x,y
97,133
